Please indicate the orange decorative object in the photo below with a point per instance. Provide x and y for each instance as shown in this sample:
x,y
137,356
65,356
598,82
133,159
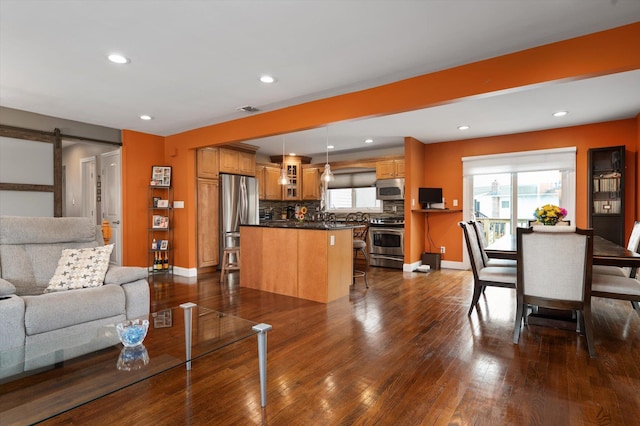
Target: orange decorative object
x,y
106,231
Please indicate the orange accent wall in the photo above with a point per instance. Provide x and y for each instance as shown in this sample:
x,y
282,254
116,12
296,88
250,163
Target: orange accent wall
x,y
637,175
414,179
600,53
140,151
443,167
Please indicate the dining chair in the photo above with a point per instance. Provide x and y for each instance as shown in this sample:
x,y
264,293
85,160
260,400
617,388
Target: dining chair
x,y
484,276
616,287
554,271
634,245
482,242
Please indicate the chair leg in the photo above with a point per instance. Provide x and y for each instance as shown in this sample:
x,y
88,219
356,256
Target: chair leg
x,y
225,260
477,290
588,331
518,324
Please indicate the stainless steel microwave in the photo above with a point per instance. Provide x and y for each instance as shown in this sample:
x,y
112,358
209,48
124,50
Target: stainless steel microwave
x,y
390,189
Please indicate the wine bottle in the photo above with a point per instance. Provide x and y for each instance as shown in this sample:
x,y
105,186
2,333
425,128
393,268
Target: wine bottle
x,y
156,263
165,262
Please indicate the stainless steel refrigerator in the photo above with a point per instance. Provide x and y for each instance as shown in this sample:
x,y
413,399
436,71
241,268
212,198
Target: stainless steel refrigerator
x,y
238,205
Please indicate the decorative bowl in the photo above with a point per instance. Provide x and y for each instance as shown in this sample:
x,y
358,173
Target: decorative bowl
x,y
132,332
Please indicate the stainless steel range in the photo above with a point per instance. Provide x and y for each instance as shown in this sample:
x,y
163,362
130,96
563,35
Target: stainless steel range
x,y
386,239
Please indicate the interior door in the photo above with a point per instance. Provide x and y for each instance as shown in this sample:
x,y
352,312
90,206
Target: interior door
x,y
112,200
89,179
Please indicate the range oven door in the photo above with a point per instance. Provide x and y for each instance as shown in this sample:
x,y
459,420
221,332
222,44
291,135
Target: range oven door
x,y
387,247
388,242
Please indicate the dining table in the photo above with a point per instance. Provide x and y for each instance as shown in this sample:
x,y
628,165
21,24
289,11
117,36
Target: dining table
x,y
605,252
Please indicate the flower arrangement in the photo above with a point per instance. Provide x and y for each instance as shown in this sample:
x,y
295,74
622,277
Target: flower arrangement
x,y
549,214
301,213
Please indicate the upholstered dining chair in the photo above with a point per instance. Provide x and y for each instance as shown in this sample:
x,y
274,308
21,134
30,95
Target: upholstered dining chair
x,y
554,271
360,233
634,245
482,242
484,276
615,287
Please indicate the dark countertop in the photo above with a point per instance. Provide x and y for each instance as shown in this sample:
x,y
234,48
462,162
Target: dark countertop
x,y
301,225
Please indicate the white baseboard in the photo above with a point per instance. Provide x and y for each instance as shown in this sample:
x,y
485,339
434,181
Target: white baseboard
x,y
185,272
445,264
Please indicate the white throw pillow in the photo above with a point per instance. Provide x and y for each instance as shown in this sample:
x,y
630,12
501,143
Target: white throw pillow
x,y
80,268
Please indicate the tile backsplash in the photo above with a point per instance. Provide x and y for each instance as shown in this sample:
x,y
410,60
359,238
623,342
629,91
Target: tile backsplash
x,y
390,208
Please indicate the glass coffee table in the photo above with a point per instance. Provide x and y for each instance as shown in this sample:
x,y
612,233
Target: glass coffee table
x,y
60,377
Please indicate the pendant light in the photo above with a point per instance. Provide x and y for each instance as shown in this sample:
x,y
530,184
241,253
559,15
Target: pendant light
x,y
327,176
283,179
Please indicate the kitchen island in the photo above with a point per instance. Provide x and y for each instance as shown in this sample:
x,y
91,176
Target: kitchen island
x,y
310,261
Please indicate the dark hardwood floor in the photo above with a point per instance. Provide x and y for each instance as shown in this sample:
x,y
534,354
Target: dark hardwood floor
x,y
402,352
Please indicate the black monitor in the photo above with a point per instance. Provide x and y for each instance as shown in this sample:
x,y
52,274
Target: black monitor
x,y
429,196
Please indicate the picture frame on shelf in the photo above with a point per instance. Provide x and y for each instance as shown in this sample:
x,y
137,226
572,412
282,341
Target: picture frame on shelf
x,y
161,176
155,201
162,204
160,222
164,245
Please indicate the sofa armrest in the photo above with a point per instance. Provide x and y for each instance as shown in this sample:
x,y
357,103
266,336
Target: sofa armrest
x,y
6,288
124,274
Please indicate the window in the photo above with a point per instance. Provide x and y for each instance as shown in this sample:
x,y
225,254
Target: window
x,y
345,200
503,190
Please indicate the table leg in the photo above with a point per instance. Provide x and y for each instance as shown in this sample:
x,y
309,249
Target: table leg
x,y
262,330
188,314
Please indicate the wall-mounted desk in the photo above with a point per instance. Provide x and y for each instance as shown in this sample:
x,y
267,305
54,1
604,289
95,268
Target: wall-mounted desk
x,y
436,211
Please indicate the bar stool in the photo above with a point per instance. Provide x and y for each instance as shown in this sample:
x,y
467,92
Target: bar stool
x,y
361,220
230,256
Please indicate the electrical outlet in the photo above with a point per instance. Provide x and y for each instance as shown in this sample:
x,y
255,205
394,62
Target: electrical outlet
x,y
442,249
455,203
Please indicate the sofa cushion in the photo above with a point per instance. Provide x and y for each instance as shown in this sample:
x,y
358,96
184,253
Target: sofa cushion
x,y
125,274
30,267
81,268
6,288
46,230
52,311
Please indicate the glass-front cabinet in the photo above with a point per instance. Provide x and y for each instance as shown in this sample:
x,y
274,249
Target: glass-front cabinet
x,y
606,192
292,189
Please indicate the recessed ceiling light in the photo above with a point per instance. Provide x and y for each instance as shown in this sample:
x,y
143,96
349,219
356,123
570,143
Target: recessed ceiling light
x,y
464,127
146,117
118,59
330,146
560,113
292,154
267,79
368,141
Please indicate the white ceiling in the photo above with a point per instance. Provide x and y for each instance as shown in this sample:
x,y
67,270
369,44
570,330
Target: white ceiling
x,y
194,62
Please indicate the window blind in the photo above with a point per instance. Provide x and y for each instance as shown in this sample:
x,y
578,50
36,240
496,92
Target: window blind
x,y
563,159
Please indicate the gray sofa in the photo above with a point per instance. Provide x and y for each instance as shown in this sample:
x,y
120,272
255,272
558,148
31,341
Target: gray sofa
x,y
38,328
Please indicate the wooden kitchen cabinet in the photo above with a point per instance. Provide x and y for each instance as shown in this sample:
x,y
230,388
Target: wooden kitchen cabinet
x,y
389,169
292,191
237,162
207,222
247,164
207,163
311,183
272,189
261,182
